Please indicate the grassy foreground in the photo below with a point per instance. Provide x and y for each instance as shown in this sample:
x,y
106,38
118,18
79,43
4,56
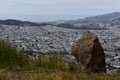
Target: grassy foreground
x,y
59,75
16,66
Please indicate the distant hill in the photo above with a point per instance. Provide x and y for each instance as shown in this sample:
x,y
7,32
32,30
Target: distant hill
x,y
97,19
72,24
21,23
105,17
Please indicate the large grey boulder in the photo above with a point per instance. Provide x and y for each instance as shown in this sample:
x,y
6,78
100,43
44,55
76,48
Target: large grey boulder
x,y
89,54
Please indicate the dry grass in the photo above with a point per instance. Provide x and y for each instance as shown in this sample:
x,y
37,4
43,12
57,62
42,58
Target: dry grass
x,y
60,75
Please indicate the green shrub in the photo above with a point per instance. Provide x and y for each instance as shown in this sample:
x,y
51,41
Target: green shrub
x,y
9,57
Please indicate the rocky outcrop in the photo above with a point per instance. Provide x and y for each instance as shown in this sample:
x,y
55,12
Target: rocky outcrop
x,y
89,54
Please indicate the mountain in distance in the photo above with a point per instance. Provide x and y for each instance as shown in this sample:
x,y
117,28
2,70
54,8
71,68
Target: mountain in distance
x,y
66,23
90,23
98,18
106,17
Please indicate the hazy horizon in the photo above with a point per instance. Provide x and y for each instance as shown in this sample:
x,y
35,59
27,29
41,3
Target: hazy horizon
x,y
51,10
46,18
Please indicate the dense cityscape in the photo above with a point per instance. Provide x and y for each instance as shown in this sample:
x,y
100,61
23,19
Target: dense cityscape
x,y
35,40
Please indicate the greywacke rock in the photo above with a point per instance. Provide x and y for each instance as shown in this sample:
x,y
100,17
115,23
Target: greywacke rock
x,y
89,54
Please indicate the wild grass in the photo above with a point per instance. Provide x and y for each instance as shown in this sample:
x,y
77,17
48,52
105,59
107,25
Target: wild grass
x,y
60,75
9,57
16,66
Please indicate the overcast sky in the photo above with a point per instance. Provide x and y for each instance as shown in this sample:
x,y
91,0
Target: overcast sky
x,y
33,9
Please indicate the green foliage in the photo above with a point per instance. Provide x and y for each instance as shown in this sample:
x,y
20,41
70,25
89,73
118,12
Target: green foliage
x,y
54,62
16,66
9,57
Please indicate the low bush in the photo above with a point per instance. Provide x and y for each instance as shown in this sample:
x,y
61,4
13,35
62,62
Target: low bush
x,y
10,58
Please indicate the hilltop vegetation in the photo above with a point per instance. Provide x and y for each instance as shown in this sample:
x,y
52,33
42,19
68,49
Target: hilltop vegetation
x,y
16,66
10,58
